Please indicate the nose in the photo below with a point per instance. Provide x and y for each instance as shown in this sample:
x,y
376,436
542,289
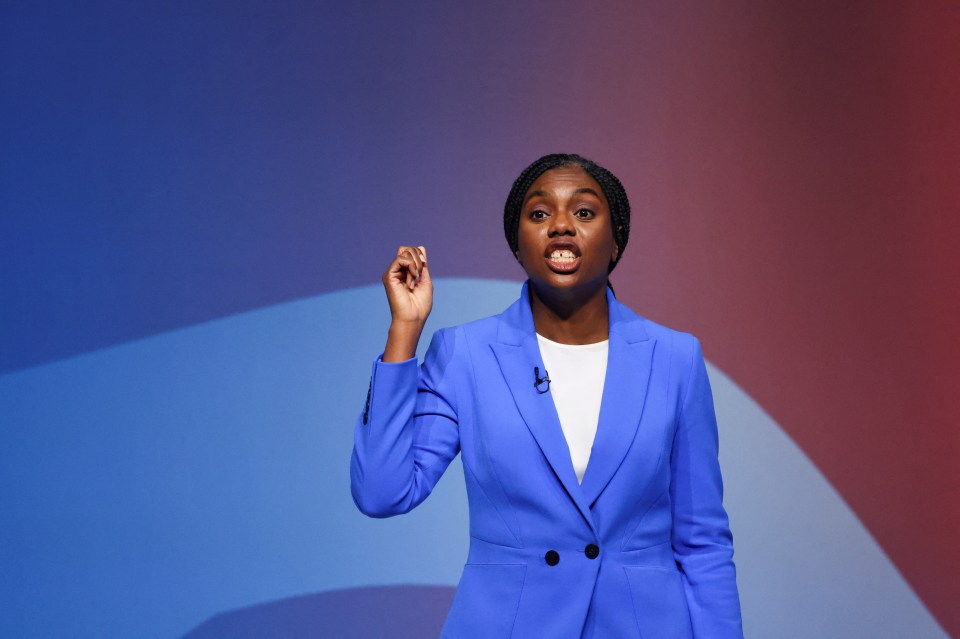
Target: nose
x,y
561,224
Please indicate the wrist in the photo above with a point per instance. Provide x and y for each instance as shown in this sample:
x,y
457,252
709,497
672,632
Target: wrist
x,y
402,340
404,324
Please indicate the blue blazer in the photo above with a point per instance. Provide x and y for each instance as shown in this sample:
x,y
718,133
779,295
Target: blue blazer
x,y
642,548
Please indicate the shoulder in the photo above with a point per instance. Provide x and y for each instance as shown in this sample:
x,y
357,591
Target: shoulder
x,y
472,333
674,343
677,354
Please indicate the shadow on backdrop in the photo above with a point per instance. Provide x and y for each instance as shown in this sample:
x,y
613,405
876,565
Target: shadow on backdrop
x,y
400,612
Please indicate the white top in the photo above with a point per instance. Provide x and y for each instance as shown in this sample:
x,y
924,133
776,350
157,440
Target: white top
x,y
577,373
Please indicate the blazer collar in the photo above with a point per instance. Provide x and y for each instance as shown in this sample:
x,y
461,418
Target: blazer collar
x,y
628,371
516,322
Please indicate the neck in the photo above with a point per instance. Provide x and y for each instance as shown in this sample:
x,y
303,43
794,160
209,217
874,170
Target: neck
x,y
571,317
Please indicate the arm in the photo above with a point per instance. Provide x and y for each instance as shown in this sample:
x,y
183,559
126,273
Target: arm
x,y
407,434
702,543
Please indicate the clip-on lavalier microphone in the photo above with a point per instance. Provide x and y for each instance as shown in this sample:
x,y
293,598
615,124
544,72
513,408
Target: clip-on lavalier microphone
x,y
540,381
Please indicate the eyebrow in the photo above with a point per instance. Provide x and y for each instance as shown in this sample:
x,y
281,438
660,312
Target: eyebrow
x,y
533,194
542,193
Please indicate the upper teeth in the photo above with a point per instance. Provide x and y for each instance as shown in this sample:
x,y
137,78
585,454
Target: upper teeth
x,y
563,255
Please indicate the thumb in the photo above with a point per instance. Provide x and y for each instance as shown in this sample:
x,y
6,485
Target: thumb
x,y
425,268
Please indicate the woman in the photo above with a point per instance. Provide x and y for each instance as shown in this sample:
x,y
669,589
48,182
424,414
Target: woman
x,y
594,488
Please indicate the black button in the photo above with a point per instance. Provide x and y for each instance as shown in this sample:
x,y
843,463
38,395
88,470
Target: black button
x,y
592,551
366,407
552,557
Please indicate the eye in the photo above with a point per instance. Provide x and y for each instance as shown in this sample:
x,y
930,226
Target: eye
x,y
538,214
585,214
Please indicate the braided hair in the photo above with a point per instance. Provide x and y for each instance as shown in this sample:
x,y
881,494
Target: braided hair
x,y
612,189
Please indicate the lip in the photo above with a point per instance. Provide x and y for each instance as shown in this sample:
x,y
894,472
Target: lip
x,y
563,267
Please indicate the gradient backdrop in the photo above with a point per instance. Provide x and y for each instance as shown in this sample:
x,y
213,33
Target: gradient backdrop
x,y
197,201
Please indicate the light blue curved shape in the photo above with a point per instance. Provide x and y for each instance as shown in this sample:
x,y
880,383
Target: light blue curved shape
x,y
806,566
149,486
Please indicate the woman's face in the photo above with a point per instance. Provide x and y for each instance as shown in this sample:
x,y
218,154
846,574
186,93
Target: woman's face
x,y
566,232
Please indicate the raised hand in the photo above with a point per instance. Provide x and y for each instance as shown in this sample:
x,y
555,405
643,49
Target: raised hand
x,y
410,295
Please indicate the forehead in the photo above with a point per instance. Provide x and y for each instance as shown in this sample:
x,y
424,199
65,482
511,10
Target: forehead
x,y
564,181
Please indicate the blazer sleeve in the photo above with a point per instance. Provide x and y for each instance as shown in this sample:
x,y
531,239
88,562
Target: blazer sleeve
x,y
702,542
407,434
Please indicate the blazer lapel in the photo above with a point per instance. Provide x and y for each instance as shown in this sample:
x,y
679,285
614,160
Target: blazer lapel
x,y
629,359
517,354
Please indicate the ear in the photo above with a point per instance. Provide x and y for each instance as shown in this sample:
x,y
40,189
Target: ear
x,y
616,245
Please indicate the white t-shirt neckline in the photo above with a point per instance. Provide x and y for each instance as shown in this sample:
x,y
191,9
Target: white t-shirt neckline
x,y
577,373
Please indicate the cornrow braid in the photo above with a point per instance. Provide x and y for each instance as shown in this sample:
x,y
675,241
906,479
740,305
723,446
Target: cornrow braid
x,y
612,189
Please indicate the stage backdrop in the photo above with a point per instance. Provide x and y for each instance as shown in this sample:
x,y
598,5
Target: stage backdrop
x,y
197,201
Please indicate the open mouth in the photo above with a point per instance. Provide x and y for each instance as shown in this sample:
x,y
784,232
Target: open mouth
x,y
563,258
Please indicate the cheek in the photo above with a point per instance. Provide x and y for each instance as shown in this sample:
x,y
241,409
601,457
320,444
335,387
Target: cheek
x,y
526,242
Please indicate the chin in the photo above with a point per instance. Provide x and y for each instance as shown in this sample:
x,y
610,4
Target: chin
x,y
565,282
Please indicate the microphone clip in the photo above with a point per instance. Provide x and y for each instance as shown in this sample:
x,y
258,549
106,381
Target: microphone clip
x,y
542,384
